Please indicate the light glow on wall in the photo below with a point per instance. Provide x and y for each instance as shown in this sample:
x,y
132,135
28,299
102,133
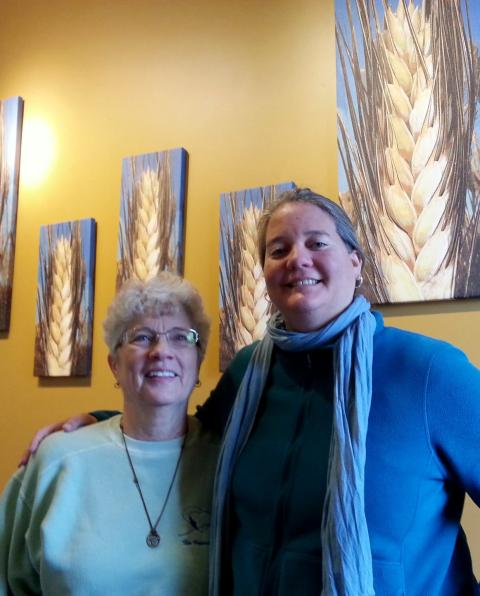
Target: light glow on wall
x,y
38,151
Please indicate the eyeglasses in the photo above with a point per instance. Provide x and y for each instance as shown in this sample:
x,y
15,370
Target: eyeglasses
x,y
146,338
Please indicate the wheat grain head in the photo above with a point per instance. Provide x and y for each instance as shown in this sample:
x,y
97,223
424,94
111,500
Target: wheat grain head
x,y
59,344
147,237
411,132
253,313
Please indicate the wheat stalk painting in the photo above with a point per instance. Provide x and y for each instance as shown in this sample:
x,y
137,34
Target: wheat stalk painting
x,y
152,209
408,91
65,299
11,115
244,308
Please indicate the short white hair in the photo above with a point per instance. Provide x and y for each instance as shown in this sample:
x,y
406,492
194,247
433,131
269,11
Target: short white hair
x,y
165,293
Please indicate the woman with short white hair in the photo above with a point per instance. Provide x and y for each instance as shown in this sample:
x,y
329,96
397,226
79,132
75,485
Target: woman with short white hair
x,y
123,507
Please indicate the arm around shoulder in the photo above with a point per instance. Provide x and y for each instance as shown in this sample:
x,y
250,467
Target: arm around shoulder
x,y
68,425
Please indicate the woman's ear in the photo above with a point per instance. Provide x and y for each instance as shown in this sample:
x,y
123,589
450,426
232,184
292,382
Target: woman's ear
x,y
112,363
357,262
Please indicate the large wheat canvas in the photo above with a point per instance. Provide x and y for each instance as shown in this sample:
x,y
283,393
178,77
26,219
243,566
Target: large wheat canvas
x,y
152,208
408,76
11,118
244,307
63,340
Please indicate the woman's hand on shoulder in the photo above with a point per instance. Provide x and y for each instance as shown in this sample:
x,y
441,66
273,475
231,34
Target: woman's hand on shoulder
x,y
73,423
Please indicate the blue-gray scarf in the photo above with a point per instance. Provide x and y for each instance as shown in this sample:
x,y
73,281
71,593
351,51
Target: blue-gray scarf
x,y
346,553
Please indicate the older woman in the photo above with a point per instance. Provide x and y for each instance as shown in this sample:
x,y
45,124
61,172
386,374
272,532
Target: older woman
x,y
351,445
123,507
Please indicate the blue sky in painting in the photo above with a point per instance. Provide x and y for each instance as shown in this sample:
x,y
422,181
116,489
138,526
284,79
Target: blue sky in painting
x,y
342,20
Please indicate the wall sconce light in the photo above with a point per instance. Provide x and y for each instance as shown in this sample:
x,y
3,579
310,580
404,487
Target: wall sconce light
x,y
38,151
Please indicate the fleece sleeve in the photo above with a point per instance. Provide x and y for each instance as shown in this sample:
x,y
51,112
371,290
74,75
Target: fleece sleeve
x,y
17,573
452,408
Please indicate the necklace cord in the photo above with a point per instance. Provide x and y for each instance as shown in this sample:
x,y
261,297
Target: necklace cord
x,y
153,527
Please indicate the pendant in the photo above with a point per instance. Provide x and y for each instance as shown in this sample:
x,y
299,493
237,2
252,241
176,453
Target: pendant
x,y
153,539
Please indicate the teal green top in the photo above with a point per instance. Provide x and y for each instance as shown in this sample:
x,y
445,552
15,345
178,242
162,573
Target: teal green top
x,y
276,525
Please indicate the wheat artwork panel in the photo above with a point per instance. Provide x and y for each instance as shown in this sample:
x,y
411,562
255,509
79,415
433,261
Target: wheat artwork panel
x,y
152,215
244,305
408,76
11,118
64,319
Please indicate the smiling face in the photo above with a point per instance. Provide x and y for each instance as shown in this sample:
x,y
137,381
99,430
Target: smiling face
x,y
310,274
160,375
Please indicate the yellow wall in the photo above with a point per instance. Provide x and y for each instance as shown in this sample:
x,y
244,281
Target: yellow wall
x,y
247,87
